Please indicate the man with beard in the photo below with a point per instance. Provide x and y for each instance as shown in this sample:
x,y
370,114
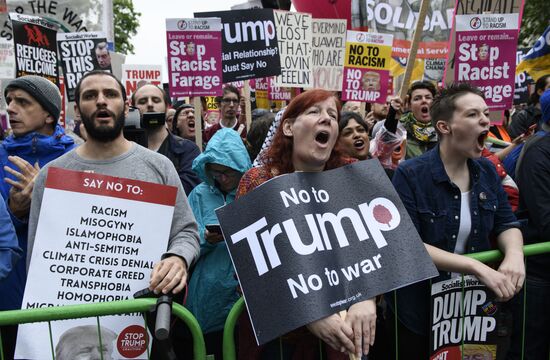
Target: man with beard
x,y
34,104
378,113
100,102
150,99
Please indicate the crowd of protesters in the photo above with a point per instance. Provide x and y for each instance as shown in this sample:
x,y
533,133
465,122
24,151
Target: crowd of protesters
x,y
433,145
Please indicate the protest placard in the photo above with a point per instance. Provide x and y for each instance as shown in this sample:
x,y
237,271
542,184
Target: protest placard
x,y
486,55
261,88
294,37
99,246
7,59
382,16
249,44
71,15
212,115
78,53
465,7
276,92
321,242
463,313
134,76
367,60
329,46
194,57
35,47
433,70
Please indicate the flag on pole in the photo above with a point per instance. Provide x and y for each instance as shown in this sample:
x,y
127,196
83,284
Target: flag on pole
x,y
537,61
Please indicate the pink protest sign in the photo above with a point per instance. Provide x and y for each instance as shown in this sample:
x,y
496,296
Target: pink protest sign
x,y
194,57
367,85
278,92
486,55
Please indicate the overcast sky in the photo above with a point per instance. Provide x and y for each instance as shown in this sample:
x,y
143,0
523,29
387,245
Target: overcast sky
x,y
150,41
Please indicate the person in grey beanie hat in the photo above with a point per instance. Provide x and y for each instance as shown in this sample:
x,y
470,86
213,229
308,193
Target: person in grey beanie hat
x,y
42,90
34,104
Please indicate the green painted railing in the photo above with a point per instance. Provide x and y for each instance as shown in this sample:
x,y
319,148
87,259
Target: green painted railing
x,y
229,352
13,317
144,305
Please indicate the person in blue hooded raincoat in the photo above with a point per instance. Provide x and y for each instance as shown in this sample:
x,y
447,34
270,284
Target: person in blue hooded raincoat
x,y
213,285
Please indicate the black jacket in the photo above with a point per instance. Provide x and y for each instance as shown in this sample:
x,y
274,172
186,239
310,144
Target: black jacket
x,y
534,202
182,152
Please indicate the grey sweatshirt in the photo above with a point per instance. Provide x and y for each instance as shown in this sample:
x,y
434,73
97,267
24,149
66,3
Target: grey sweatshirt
x,y
138,163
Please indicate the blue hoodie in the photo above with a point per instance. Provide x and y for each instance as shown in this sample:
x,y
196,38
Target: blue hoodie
x,y
33,147
213,286
9,251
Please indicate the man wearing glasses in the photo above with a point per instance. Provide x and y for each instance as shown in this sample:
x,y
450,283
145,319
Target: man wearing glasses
x,y
228,104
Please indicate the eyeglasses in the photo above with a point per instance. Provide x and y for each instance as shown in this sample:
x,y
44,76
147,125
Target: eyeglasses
x,y
223,174
229,101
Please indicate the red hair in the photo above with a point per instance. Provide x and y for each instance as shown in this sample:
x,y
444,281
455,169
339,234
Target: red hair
x,y
278,157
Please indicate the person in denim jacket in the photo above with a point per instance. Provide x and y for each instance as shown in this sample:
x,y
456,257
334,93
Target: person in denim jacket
x,y
456,201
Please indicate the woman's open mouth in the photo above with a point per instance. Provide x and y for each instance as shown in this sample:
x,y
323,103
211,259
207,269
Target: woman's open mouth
x,y
359,144
481,139
322,137
425,111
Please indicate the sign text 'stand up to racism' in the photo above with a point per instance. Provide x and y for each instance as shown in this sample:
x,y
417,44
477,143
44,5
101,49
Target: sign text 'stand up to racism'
x,y
486,55
194,57
317,246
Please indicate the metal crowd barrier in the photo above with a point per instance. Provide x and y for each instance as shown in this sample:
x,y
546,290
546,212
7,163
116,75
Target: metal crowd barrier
x,y
144,305
13,317
229,352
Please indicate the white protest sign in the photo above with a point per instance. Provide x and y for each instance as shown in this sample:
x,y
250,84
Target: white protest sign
x,y
294,39
7,59
329,47
134,76
98,246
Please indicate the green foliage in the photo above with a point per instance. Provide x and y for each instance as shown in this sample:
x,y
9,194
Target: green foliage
x,y
534,22
126,22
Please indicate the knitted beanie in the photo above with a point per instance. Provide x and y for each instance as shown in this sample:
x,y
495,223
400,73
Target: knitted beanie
x,y
42,90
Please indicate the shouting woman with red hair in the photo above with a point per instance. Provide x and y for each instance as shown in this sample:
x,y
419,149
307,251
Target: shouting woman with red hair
x,y
305,141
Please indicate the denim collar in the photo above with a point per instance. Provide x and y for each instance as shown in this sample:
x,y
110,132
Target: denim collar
x,y
438,170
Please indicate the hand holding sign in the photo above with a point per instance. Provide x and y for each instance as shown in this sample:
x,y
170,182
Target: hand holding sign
x,y
361,317
334,331
169,274
513,267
